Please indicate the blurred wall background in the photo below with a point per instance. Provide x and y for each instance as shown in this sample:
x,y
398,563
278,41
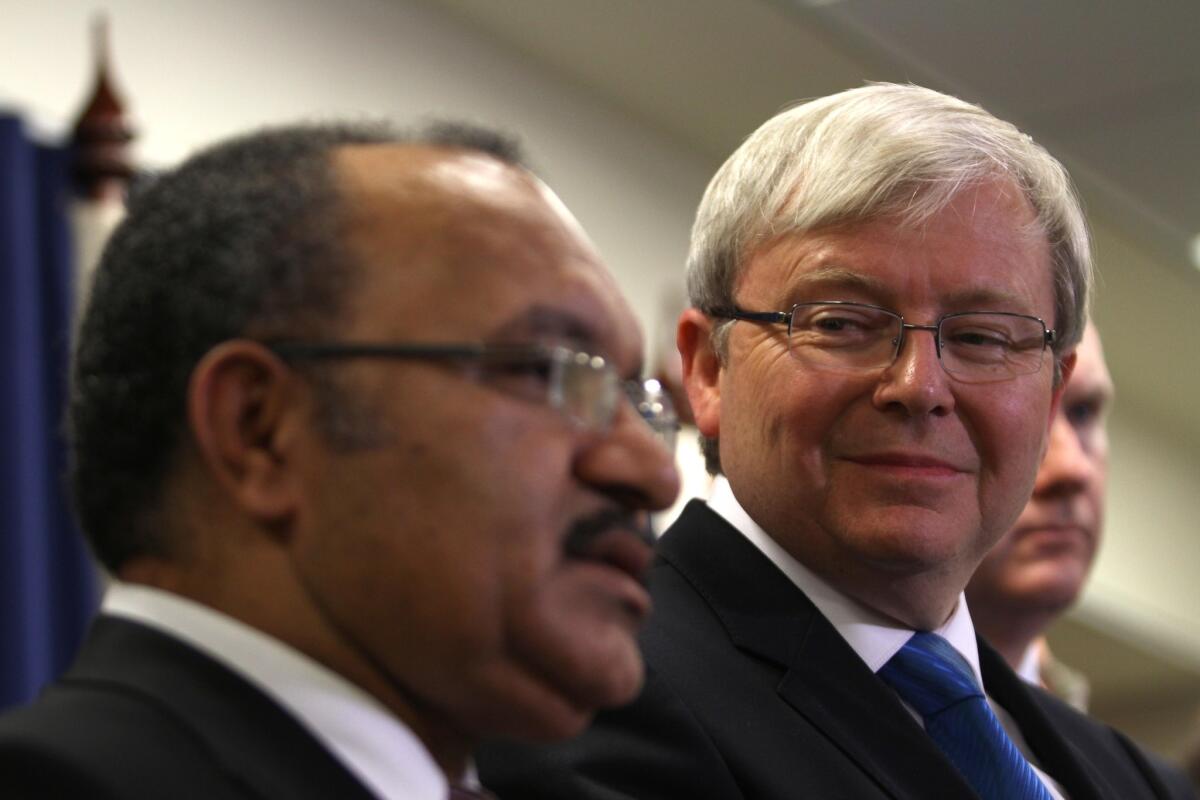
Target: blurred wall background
x,y
628,106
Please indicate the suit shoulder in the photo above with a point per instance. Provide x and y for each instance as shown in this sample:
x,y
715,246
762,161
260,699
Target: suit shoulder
x,y
79,740
1108,753
652,749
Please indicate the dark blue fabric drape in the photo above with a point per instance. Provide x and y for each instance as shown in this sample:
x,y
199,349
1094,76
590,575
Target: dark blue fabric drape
x,y
48,588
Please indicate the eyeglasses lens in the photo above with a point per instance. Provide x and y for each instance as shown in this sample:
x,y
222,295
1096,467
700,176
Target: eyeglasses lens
x,y
976,346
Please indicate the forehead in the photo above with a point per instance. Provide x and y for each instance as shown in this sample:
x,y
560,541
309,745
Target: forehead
x,y
457,245
984,251
1090,376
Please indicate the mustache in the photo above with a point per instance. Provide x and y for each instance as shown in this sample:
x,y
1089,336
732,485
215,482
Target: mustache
x,y
586,530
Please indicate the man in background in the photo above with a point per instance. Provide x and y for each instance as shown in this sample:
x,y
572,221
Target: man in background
x,y
1037,570
351,427
887,287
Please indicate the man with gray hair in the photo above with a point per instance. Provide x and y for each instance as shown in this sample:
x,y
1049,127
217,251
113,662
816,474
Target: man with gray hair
x,y
887,286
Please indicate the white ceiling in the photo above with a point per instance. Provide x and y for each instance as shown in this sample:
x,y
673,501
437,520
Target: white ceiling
x,y
1112,88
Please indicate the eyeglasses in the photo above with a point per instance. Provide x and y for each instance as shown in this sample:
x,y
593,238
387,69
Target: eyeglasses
x,y
584,388
972,346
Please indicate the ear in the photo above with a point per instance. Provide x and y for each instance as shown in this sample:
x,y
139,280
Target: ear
x,y
1068,366
701,369
243,414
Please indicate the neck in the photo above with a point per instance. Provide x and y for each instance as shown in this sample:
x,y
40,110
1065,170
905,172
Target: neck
x,y
1009,633
920,602
271,608
920,616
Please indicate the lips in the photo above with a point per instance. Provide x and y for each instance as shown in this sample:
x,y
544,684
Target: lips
x,y
908,463
1054,531
621,549
1066,515
615,559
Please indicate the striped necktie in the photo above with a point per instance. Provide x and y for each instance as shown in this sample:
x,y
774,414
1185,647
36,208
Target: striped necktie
x,y
933,678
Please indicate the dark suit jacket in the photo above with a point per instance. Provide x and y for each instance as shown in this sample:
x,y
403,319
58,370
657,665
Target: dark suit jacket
x,y
752,694
143,715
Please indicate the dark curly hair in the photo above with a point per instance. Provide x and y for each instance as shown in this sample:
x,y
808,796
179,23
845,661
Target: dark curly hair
x,y
245,236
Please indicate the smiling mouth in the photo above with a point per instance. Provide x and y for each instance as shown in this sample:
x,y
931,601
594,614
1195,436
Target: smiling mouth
x,y
907,465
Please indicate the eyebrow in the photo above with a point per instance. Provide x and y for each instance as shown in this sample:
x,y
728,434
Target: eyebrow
x,y
1100,394
546,321
839,278
550,322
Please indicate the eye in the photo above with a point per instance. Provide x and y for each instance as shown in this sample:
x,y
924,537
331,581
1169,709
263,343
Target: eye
x,y
840,318
1082,414
830,324
530,370
525,379
979,337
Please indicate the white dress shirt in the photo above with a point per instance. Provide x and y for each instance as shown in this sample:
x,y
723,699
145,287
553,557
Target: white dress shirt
x,y
873,636
380,750
1030,668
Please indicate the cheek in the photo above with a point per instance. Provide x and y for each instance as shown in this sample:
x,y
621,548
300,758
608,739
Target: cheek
x,y
480,511
789,415
1099,458
782,469
1009,430
999,561
577,637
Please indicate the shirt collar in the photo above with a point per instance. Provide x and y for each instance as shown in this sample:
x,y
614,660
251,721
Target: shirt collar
x,y
870,634
367,738
1030,668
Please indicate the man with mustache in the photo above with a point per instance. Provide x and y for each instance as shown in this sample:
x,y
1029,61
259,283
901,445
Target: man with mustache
x,y
887,287
357,427
1037,570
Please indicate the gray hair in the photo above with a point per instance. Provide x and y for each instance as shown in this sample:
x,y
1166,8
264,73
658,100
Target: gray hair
x,y
882,150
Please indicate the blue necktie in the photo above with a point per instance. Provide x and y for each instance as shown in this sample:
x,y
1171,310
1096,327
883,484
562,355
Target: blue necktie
x,y
937,681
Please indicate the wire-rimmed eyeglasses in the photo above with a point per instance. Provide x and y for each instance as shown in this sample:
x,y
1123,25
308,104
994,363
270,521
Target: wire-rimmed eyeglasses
x,y
584,388
842,336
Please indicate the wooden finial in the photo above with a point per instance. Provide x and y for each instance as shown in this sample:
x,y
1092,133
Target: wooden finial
x,y
102,164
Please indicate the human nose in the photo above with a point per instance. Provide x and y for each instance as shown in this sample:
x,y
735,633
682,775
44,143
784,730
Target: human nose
x,y
1066,468
915,380
630,463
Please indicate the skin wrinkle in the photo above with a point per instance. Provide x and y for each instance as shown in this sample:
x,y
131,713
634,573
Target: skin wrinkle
x,y
1037,570
576,293
428,566
905,554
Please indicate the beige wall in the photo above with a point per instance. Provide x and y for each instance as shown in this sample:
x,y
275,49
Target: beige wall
x,y
195,71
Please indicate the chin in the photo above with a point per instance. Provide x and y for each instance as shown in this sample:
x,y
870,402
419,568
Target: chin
x,y
519,707
908,543
556,726
609,678
1052,591
574,666
567,710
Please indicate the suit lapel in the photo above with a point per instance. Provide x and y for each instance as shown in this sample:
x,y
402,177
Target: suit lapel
x,y
1057,756
831,686
254,741
824,680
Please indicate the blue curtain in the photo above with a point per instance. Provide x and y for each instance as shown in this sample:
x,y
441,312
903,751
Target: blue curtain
x,y
48,586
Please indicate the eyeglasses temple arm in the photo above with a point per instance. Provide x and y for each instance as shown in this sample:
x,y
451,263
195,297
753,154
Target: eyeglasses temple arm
x,y
751,316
